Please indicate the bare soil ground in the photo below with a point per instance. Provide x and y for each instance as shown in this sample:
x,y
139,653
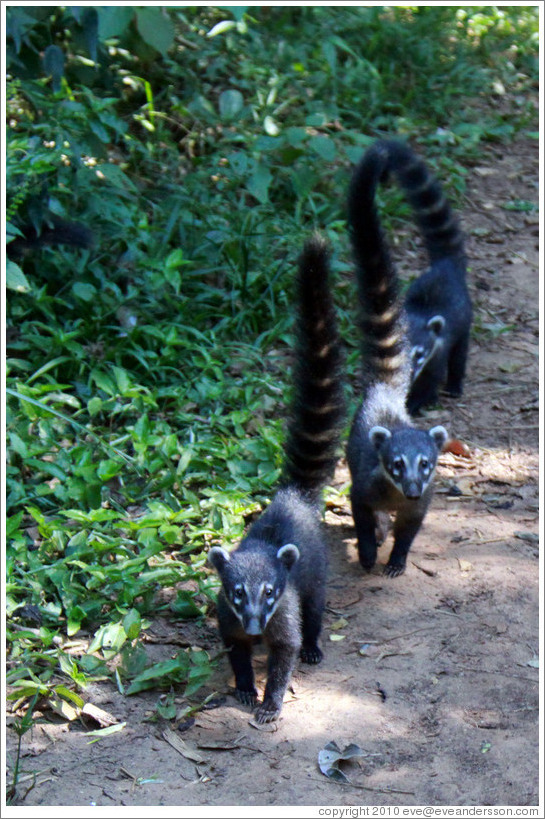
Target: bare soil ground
x,y
433,674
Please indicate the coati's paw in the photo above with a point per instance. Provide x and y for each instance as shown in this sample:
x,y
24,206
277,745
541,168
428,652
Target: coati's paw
x,y
454,390
266,712
367,565
311,655
394,569
246,697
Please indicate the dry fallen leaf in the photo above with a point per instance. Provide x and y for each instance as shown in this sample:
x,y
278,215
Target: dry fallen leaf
x,y
330,757
102,717
457,447
269,727
340,623
182,747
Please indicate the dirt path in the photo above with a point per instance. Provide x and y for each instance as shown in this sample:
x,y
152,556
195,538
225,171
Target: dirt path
x,y
433,674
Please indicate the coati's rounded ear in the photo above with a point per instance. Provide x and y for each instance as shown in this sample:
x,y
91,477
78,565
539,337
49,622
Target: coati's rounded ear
x,y
218,557
436,325
378,435
288,555
440,437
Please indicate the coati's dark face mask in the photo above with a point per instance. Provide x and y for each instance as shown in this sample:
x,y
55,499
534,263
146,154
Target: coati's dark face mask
x,y
426,344
253,583
408,456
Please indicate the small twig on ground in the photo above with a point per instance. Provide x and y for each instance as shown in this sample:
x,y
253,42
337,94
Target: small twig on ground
x,y
450,613
369,788
429,572
397,637
502,673
481,542
384,654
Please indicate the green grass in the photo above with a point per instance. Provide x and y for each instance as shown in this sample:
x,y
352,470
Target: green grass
x,y
148,376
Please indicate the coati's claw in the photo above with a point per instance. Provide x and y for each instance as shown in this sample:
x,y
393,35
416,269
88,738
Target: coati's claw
x,y
266,712
246,697
393,570
312,656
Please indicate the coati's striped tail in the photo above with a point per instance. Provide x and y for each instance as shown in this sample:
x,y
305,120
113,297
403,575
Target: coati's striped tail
x,y
434,216
312,446
382,324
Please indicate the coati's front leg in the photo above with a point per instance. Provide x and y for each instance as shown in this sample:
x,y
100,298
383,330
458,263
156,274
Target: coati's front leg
x,y
281,663
406,526
239,646
457,367
423,394
366,526
240,655
312,609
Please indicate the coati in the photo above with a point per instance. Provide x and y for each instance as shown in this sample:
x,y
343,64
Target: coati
x,y
437,304
273,583
391,462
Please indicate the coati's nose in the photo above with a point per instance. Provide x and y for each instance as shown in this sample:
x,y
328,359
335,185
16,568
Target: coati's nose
x,y
413,491
252,626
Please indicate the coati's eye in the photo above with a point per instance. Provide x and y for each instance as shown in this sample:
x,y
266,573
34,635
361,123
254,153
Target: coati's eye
x,y
269,592
398,465
424,463
238,592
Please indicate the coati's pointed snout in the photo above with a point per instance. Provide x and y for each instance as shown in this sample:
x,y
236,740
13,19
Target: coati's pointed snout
x,y
413,491
252,626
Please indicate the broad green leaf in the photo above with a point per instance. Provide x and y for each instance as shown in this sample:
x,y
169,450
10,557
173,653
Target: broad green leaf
x,y
123,380
107,469
94,405
115,176
74,619
27,688
259,182
100,733
53,63
132,623
15,278
160,672
176,259
89,22
169,534
103,382
13,523
142,428
155,28
296,136
231,103
66,694
184,605
324,146
114,20
109,638
83,291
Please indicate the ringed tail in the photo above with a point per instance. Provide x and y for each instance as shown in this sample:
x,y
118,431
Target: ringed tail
x,y
434,216
313,438
382,322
